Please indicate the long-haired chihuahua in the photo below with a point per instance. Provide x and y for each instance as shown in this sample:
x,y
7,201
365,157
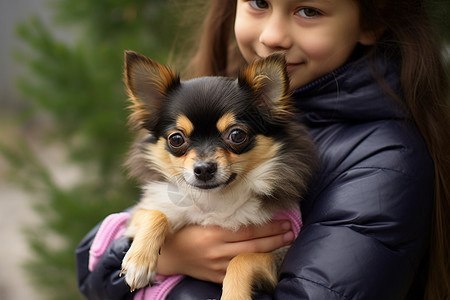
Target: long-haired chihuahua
x,y
213,151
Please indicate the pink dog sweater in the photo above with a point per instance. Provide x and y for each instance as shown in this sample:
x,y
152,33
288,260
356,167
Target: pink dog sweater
x,y
113,228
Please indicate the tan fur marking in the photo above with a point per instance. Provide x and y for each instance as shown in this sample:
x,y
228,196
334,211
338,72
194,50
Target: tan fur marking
x,y
223,158
225,122
184,124
166,163
162,160
247,270
151,229
189,159
264,150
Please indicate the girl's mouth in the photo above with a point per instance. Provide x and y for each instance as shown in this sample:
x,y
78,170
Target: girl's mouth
x,y
292,66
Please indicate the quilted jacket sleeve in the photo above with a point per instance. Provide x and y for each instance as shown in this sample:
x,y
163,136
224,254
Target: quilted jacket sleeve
x,y
344,254
366,221
104,281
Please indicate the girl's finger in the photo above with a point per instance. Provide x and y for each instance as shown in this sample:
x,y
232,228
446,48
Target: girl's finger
x,y
251,232
260,245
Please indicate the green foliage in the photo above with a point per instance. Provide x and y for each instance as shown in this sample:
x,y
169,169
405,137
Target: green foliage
x,y
77,82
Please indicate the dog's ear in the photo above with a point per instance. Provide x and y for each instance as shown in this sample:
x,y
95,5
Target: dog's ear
x,y
148,83
269,81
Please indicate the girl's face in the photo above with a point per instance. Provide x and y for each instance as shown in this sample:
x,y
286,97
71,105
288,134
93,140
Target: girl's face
x,y
318,36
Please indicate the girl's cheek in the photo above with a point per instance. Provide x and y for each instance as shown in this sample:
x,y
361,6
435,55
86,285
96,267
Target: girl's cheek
x,y
246,38
316,47
242,28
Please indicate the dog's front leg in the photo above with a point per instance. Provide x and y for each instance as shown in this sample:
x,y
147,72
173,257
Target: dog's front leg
x,y
139,264
248,271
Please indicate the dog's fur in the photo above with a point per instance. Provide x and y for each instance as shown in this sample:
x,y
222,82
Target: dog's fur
x,y
215,151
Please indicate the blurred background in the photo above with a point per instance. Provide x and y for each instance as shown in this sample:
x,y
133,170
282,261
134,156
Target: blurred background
x,y
63,133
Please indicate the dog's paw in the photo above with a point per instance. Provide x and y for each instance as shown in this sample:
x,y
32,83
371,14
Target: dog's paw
x,y
139,270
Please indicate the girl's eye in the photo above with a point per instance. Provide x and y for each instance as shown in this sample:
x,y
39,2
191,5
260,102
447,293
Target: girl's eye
x,y
308,13
237,136
258,4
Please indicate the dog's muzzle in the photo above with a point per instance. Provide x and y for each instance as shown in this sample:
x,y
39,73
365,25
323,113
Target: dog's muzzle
x,y
207,176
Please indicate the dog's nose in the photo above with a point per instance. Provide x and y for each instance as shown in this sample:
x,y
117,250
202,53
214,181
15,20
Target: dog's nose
x,y
205,171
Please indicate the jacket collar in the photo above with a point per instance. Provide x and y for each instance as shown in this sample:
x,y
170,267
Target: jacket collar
x,y
352,94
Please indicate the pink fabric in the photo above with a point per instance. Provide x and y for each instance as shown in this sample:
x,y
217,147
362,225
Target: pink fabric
x,y
114,226
292,215
110,230
160,289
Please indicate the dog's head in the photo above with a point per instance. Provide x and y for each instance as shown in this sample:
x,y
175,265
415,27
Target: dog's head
x,y
207,132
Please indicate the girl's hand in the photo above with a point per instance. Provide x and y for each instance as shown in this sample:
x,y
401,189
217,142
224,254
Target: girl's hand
x,y
203,252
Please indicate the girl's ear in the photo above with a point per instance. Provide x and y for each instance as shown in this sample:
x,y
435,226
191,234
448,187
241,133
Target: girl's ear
x,y
147,83
269,81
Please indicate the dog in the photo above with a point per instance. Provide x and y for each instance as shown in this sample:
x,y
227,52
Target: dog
x,y
214,151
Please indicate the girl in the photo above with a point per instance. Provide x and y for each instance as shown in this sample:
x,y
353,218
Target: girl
x,y
368,78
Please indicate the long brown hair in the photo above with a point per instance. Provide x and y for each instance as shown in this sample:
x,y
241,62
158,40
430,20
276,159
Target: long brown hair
x,y
408,34
404,30
215,52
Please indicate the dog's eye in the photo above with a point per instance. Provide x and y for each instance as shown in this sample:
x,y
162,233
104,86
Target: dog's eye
x,y
238,136
176,140
178,143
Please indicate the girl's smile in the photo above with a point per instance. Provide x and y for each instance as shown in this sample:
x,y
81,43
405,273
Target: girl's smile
x,y
318,36
291,66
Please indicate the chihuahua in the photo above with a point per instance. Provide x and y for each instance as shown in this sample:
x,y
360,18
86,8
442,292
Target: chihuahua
x,y
213,151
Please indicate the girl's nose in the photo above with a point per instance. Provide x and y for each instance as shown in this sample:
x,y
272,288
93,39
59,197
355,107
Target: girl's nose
x,y
275,34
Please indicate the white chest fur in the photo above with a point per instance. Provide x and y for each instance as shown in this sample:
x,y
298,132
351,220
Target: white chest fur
x,y
230,208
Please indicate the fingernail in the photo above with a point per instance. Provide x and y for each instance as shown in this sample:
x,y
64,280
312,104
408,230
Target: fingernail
x,y
286,226
288,237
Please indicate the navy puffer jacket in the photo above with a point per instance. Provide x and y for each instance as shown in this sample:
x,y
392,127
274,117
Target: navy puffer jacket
x,y
368,212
